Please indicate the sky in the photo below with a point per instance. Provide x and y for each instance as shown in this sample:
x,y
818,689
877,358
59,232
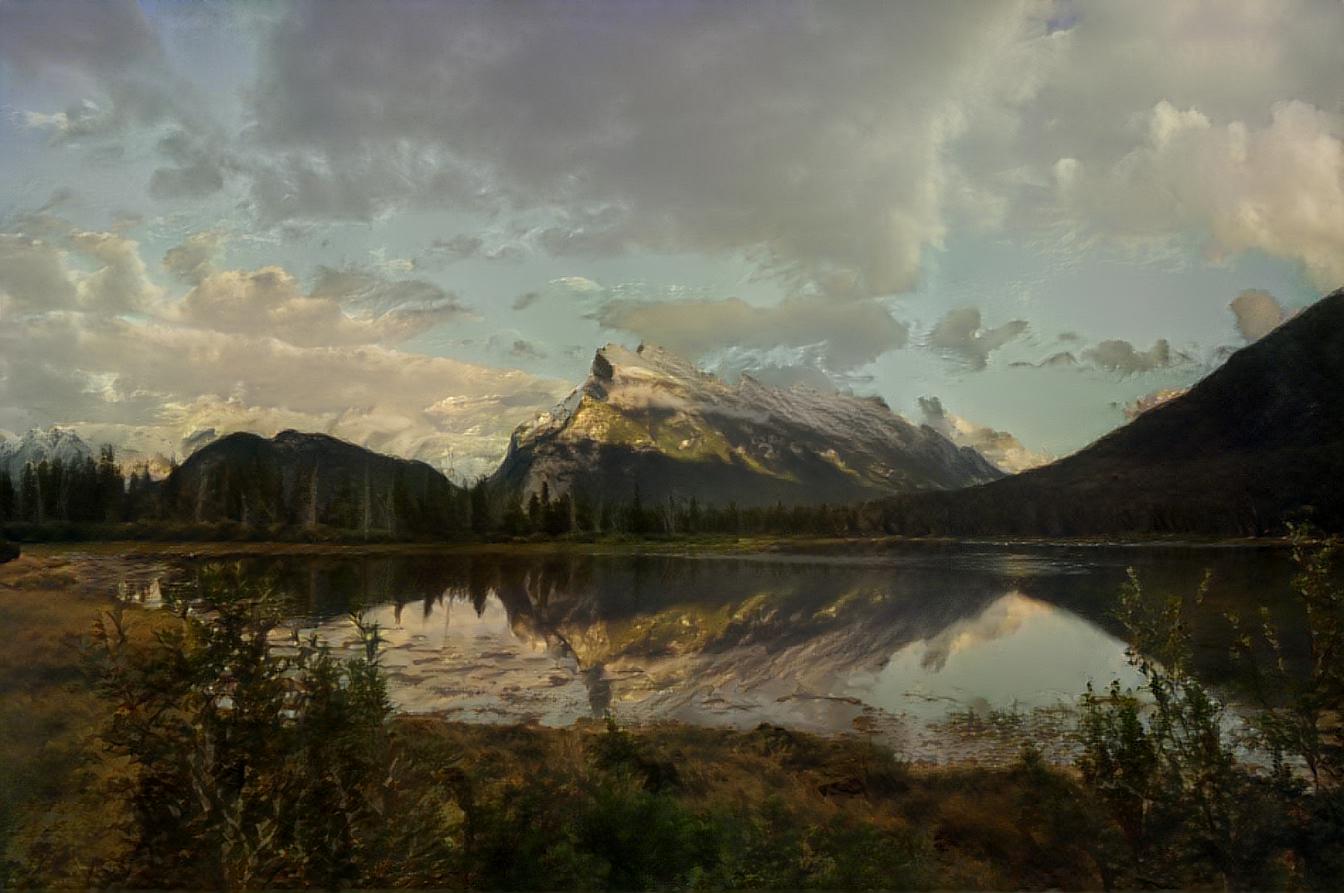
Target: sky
x,y
410,224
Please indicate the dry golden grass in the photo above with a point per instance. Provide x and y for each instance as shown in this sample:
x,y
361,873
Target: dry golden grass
x,y
47,710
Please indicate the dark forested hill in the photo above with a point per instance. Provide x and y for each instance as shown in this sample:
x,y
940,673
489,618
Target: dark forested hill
x,y
311,480
1258,442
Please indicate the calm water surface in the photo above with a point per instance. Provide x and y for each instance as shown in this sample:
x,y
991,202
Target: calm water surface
x,y
910,644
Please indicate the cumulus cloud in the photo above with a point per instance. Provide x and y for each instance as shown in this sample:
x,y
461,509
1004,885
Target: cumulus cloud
x,y
346,306
960,335
831,144
1278,188
1122,357
177,380
999,447
1114,355
36,274
242,350
842,335
195,258
32,276
1258,313
812,136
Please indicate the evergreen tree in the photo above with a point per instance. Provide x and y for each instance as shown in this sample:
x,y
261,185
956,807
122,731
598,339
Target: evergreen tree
x,y
479,501
638,522
110,486
534,511
9,499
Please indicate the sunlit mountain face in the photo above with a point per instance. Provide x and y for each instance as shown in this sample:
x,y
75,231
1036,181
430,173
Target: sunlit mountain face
x,y
409,225
652,421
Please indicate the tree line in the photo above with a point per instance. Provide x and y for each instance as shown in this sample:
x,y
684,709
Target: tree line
x,y
577,512
252,497
79,491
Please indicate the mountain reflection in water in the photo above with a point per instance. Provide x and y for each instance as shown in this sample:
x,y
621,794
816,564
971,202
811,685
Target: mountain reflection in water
x,y
887,642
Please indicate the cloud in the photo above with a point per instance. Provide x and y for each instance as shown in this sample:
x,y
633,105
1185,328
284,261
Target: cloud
x,y
107,55
509,345
1278,188
813,137
195,258
959,334
269,302
999,447
198,168
1116,355
36,276
241,350
1139,405
1063,359
526,350
525,300
174,380
468,247
832,145
1258,313
32,276
844,335
375,296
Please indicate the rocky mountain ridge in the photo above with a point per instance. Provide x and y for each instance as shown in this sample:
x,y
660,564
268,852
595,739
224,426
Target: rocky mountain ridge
x,y
38,445
651,419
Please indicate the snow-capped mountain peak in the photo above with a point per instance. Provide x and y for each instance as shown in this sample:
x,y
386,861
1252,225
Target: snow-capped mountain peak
x,y
39,444
651,417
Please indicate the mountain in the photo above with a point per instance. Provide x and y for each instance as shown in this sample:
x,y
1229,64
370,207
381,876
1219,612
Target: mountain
x,y
650,419
39,445
1258,442
311,480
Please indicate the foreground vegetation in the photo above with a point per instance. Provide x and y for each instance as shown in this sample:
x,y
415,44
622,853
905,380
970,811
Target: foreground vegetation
x,y
205,749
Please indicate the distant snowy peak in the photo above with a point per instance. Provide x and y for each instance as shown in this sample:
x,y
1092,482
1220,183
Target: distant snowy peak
x,y
40,445
651,415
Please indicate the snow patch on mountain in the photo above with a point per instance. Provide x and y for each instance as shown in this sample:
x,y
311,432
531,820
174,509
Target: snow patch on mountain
x,y
38,445
650,402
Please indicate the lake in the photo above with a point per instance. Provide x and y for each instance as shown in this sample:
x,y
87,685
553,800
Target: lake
x,y
948,652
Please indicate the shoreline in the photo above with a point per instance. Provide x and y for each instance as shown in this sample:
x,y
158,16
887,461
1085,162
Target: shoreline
x,y
722,545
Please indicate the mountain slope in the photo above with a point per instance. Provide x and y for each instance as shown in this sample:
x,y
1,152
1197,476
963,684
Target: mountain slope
x,y
310,480
651,419
1256,443
38,445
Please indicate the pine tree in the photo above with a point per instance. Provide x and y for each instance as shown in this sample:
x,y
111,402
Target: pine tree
x,y
110,487
638,520
8,498
310,516
534,511
480,507
30,495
